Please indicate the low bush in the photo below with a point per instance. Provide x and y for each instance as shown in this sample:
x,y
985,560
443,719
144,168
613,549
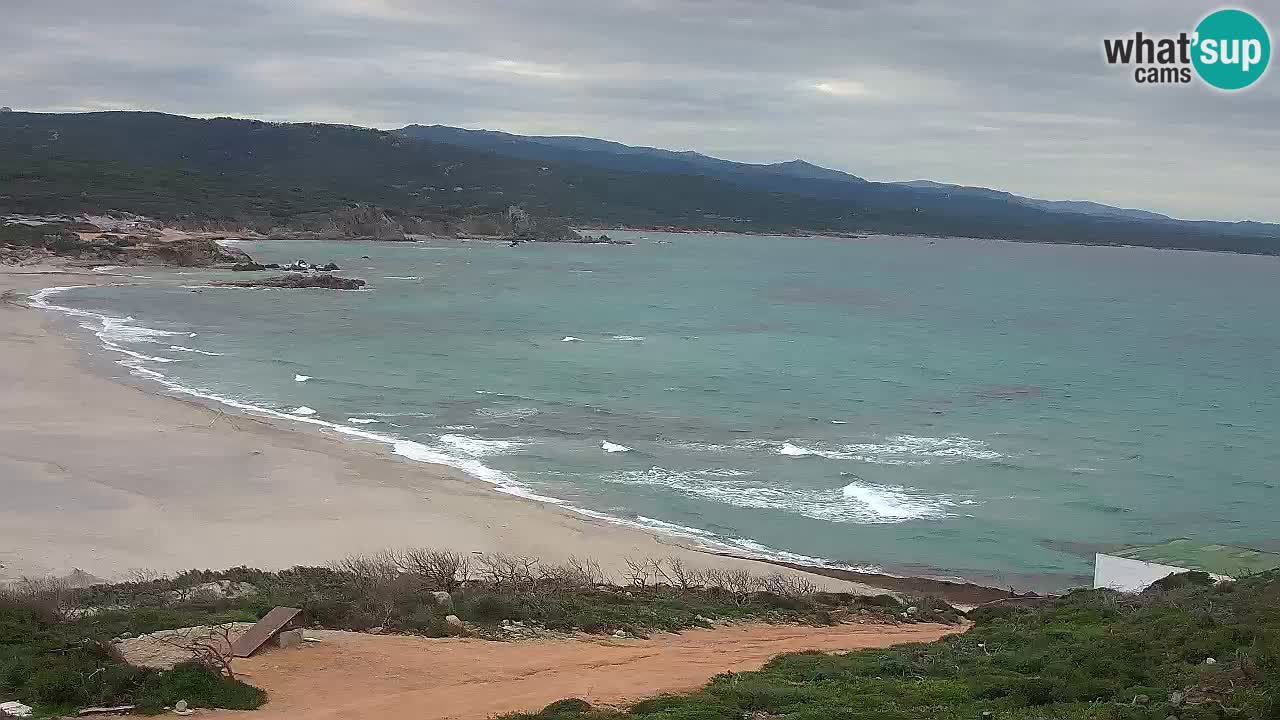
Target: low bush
x,y
1091,654
59,666
55,641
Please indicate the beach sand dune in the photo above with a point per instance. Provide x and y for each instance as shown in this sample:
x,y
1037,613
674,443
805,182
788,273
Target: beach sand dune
x,y
355,676
106,476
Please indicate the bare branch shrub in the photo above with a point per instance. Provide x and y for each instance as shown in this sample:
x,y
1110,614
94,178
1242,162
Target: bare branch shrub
x,y
370,573
638,572
789,585
143,576
683,576
53,598
440,569
738,581
208,646
574,573
508,571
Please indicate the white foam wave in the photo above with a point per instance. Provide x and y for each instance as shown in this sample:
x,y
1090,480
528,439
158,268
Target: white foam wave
x,y
570,338
301,378
480,447
110,330
401,277
795,450
180,348
302,410
857,502
511,413
629,338
613,447
898,450
363,421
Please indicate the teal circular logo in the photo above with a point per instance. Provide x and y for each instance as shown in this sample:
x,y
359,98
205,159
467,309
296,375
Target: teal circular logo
x,y
1231,49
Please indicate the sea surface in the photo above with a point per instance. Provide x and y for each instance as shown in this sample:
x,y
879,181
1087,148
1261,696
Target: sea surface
x,y
961,408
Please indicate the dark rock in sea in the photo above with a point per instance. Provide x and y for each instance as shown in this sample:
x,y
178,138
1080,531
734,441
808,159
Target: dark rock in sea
x,y
602,240
272,266
329,267
248,267
297,280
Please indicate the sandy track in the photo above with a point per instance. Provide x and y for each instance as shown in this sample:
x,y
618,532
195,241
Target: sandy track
x,y
357,676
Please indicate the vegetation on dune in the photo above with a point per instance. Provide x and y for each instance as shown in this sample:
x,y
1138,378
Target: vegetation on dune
x,y
60,665
395,592
56,649
1184,649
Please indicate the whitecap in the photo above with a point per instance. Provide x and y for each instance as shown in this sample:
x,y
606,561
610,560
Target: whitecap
x,y
362,421
511,413
301,378
302,410
401,277
839,422
181,348
480,447
570,338
629,338
897,450
613,447
794,450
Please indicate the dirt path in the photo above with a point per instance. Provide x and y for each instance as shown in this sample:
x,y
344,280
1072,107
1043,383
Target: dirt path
x,y
355,676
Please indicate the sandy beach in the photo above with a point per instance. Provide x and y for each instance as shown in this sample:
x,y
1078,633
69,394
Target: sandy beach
x,y
106,475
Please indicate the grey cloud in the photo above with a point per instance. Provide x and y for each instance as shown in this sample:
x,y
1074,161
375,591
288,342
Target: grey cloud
x,y
1008,95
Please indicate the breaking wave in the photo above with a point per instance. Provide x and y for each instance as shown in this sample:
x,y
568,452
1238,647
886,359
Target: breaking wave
x,y
898,450
856,502
480,447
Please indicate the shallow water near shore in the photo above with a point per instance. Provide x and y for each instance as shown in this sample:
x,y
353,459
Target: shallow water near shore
x,y
997,410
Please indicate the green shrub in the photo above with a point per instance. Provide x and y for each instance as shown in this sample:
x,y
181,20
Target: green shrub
x,y
567,708
56,686
199,687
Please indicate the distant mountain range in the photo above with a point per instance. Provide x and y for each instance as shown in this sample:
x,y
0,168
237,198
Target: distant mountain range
x,y
777,176
1082,207
231,171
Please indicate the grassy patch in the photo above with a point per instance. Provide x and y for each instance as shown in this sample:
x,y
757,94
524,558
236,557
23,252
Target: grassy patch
x,y
56,648
59,666
1092,654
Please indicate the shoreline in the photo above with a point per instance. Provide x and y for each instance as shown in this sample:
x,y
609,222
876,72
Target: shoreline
x,y
660,541
112,476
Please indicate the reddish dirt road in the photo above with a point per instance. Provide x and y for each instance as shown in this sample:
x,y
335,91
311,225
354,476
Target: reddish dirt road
x,y
377,677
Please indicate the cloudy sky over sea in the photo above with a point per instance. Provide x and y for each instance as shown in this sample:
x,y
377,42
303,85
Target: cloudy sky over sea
x,y
1012,96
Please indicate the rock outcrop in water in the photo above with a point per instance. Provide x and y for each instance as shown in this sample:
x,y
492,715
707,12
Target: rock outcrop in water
x,y
298,280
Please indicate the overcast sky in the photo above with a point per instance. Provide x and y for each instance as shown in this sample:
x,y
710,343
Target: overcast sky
x,y
975,92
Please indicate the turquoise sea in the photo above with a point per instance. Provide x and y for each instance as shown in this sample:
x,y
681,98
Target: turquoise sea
x,y
989,410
